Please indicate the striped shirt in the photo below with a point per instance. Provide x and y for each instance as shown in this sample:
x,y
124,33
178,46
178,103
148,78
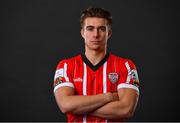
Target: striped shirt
x,y
109,75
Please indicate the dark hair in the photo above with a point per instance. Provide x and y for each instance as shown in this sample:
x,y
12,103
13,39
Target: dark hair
x,y
96,12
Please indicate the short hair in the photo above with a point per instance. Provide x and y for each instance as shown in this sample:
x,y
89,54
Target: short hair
x,y
96,12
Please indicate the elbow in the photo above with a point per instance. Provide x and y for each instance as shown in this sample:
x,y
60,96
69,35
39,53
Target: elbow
x,y
63,103
64,110
128,113
65,107
128,110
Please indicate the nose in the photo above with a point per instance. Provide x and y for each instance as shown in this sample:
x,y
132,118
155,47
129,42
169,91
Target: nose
x,y
96,33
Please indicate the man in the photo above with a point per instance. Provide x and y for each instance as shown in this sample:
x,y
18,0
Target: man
x,y
96,86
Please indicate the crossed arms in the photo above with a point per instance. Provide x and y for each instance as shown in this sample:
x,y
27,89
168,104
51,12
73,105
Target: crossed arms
x,y
108,105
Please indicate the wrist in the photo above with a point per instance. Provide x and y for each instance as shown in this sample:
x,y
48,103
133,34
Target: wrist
x,y
109,97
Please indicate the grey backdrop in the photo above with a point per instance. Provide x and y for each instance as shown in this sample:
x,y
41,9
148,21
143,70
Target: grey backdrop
x,y
36,34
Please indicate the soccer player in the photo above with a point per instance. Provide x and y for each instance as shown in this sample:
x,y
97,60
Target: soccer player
x,y
96,86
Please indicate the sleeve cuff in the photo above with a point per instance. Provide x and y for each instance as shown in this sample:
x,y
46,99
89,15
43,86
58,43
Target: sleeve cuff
x,y
68,84
125,85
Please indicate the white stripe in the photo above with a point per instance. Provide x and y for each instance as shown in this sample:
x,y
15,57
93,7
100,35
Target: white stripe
x,y
104,78
84,80
65,72
84,119
69,84
128,70
125,85
84,87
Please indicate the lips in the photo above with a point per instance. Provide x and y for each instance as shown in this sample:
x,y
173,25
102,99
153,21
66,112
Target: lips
x,y
94,41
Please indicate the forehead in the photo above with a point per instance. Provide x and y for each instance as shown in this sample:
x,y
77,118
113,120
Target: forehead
x,y
95,21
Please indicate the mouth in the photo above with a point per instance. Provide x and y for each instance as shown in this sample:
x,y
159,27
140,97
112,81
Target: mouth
x,y
95,41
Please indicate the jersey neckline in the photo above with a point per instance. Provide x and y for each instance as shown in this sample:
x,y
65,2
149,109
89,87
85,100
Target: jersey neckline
x,y
97,66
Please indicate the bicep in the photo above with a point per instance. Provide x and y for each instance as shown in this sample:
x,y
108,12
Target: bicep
x,y
62,92
128,86
129,97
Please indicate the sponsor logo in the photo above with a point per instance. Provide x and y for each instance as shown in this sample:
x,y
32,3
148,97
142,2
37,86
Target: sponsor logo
x,y
78,79
113,77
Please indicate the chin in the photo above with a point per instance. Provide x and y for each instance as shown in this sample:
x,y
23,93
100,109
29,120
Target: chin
x,y
96,48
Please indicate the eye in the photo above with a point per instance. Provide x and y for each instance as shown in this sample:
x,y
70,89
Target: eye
x,y
89,28
102,28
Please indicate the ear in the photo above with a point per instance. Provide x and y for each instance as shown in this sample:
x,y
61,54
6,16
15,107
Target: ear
x,y
109,33
82,32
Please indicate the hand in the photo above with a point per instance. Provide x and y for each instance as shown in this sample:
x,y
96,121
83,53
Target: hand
x,y
112,96
115,96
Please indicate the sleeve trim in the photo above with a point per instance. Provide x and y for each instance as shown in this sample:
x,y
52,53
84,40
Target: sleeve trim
x,y
125,85
69,84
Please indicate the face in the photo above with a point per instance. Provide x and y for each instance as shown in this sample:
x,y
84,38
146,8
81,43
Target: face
x,y
95,33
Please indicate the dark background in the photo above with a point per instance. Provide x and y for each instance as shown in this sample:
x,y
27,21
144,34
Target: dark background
x,y
36,34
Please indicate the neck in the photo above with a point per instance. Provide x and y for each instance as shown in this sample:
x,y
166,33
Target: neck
x,y
95,56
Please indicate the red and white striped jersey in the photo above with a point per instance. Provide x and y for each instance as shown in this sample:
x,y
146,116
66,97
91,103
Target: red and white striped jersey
x,y
109,75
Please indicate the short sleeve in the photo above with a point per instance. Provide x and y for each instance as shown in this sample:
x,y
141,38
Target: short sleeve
x,y
62,75
128,76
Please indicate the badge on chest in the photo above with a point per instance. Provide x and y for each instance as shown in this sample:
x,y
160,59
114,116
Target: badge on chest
x,y
113,77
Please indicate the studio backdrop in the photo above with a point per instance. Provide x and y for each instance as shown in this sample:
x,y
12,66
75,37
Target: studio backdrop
x,y
37,34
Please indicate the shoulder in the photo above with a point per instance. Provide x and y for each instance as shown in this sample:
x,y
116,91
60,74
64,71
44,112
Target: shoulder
x,y
121,59
68,61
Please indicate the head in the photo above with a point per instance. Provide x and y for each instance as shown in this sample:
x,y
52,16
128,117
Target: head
x,y
96,29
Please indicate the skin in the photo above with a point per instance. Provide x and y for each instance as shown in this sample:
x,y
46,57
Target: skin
x,y
113,106
96,34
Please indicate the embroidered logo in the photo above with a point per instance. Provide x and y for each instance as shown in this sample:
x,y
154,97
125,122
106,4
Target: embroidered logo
x,y
113,77
134,75
58,81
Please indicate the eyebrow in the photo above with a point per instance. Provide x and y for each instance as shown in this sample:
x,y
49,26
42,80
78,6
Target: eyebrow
x,y
94,27
89,26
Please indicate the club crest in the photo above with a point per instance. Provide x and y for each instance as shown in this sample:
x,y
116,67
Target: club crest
x,y
113,77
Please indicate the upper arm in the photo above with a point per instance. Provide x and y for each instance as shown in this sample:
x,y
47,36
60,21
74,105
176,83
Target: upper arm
x,y
61,95
63,76
128,86
63,83
62,92
129,98
128,77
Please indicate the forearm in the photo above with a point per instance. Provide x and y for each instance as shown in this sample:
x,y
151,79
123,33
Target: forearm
x,y
124,108
83,104
113,110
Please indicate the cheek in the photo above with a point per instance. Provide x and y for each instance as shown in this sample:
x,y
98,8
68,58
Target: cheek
x,y
104,35
87,36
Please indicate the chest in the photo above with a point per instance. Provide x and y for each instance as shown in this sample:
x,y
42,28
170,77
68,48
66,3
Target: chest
x,y
89,82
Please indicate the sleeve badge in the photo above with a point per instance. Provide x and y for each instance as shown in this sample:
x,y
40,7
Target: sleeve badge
x,y
58,81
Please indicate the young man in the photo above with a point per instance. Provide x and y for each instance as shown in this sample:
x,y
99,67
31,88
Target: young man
x,y
96,86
